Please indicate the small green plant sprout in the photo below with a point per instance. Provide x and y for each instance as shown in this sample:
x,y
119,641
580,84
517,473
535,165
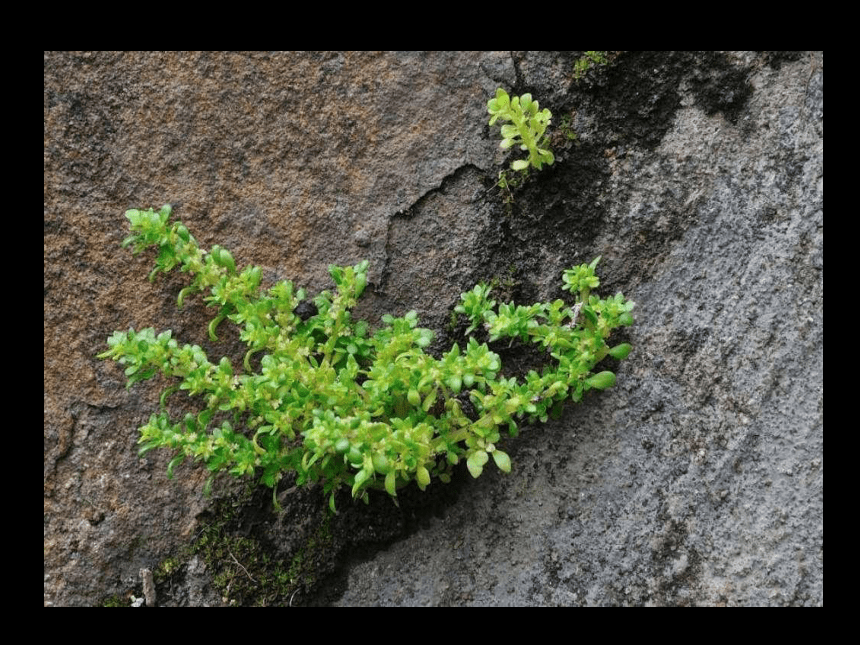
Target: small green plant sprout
x,y
526,127
473,304
566,127
586,61
334,403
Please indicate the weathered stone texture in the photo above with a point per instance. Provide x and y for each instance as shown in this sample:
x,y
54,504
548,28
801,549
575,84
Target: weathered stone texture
x,y
698,177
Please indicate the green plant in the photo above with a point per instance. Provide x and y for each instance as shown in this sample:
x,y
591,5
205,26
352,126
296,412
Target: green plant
x,y
335,403
586,61
566,127
527,127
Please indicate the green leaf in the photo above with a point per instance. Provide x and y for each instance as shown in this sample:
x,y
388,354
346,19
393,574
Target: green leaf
x,y
526,102
602,380
225,259
360,284
355,456
360,477
413,397
621,351
381,463
520,164
475,463
390,483
502,99
455,383
173,464
589,314
502,461
422,476
429,400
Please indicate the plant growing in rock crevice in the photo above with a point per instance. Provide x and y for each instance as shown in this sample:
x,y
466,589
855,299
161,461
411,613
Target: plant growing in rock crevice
x,y
587,61
523,124
338,404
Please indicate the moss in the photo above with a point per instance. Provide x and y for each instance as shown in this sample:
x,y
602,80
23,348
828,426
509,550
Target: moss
x,y
166,569
587,61
566,127
242,567
117,600
247,574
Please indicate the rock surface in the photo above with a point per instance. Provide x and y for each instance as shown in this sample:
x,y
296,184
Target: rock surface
x,y
698,177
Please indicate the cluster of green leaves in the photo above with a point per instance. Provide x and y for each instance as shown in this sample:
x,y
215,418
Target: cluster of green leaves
x,y
524,124
335,403
586,61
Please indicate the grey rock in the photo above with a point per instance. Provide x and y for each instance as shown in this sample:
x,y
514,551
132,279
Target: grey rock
x,y
698,177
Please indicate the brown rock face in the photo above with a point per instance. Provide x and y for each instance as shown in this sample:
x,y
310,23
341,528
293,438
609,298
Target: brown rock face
x,y
698,177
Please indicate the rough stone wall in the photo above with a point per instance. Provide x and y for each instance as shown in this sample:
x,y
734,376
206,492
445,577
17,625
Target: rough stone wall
x,y
698,177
